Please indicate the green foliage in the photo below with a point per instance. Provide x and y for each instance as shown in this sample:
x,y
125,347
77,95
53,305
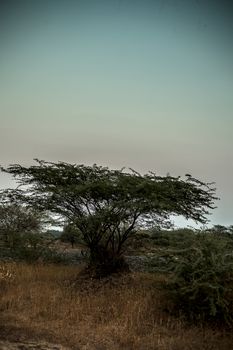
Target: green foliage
x,y
71,234
30,247
107,205
33,247
201,282
16,220
20,233
20,228
176,238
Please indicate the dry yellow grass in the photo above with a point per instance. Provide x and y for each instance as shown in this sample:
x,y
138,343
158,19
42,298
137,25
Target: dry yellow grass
x,y
56,304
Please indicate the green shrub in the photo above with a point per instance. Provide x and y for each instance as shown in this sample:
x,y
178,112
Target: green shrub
x,y
202,281
180,238
71,234
26,246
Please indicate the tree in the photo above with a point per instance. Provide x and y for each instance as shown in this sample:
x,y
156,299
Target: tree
x,y
107,206
71,234
16,220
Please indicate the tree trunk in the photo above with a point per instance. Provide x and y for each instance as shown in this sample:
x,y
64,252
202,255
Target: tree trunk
x,y
104,262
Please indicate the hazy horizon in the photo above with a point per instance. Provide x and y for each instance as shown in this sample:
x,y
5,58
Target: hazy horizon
x,y
140,84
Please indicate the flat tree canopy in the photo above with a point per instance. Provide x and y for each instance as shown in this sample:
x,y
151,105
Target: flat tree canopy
x,y
108,205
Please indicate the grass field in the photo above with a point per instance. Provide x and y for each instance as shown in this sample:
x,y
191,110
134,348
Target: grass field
x,y
58,304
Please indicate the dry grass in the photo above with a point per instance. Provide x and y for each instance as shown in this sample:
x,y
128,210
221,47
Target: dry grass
x,y
57,304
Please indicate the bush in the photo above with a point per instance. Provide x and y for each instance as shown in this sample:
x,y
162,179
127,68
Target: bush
x,y
180,238
28,247
31,247
202,280
15,219
71,234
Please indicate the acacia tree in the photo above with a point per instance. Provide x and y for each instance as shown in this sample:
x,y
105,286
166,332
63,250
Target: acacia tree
x,y
108,205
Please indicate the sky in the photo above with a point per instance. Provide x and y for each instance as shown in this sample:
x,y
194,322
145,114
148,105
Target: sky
x,y
136,83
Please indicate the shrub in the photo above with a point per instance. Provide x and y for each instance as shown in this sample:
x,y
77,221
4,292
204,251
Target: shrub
x,y
180,238
15,220
202,280
71,234
28,247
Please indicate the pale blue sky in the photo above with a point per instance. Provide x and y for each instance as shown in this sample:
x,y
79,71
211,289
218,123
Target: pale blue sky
x,y
142,84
